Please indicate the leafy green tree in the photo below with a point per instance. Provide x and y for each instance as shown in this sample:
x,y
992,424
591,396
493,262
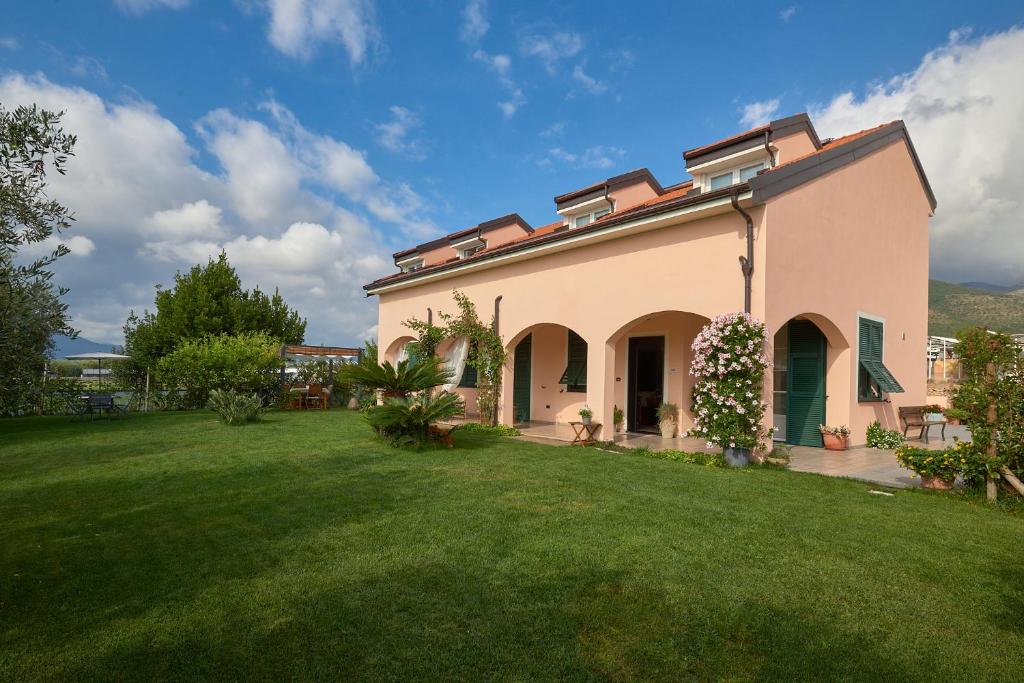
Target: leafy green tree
x,y
206,300
990,399
31,310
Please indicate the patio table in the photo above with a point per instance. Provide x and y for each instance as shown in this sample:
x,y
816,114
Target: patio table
x,y
584,432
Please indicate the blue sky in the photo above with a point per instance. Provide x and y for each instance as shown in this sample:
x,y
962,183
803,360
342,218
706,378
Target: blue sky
x,y
372,126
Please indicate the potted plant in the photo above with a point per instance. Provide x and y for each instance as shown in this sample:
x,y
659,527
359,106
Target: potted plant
x,y
667,415
586,414
937,469
933,413
729,365
835,438
620,419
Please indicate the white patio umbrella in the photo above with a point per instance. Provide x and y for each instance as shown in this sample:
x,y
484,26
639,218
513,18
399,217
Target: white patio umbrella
x,y
99,357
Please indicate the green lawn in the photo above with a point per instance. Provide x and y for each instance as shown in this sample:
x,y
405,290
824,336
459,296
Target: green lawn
x,y
170,546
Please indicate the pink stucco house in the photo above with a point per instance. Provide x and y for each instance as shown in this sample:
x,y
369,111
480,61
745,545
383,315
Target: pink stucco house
x,y
824,240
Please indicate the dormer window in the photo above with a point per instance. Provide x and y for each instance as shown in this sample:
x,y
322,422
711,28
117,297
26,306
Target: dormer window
x,y
469,245
733,176
582,219
410,265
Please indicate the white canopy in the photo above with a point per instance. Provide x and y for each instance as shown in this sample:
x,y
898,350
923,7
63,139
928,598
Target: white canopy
x,y
455,360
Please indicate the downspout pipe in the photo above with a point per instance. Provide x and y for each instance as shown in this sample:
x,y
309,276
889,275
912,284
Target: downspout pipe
x,y
768,148
746,262
497,312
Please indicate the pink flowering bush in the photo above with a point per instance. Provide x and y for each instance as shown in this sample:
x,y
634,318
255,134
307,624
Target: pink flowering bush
x,y
730,364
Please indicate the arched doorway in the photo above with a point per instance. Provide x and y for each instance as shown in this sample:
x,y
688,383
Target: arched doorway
x,y
652,363
805,351
548,379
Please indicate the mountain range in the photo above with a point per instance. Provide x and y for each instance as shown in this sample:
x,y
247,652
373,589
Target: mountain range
x,y
953,307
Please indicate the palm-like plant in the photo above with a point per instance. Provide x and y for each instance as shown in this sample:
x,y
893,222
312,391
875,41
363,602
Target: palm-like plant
x,y
397,381
409,419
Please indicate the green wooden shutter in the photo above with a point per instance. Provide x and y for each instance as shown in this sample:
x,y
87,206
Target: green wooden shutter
x,y
521,369
805,384
469,377
575,376
873,377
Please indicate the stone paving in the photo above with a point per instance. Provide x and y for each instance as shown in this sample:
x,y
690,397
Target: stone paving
x,y
874,465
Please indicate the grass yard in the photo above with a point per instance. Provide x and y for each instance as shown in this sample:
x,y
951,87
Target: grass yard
x,y
171,546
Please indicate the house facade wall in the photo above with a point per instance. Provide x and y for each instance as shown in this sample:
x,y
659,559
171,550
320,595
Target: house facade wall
x,y
855,241
599,291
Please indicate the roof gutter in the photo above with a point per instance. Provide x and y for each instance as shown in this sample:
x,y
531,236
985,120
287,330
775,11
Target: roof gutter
x,y
746,262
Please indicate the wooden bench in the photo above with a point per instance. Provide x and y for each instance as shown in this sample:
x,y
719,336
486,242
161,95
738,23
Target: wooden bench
x,y
442,431
914,416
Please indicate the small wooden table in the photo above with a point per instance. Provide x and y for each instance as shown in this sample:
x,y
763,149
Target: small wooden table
x,y
585,432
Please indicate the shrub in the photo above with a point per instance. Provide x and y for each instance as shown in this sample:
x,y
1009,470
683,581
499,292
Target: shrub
x,y
729,364
944,464
880,437
497,430
235,408
406,421
246,363
396,381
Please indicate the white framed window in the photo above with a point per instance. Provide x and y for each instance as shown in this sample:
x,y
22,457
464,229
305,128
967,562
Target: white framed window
x,y
721,180
469,251
587,218
735,175
409,266
748,172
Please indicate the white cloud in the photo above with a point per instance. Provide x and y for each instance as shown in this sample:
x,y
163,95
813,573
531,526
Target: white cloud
x,y
9,43
597,156
143,6
554,130
394,135
501,65
129,161
965,121
298,27
787,14
550,49
191,219
474,21
589,83
80,246
758,113
289,205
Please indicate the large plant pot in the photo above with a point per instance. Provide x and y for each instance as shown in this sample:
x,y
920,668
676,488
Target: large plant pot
x,y
668,429
585,419
737,457
937,483
620,427
834,443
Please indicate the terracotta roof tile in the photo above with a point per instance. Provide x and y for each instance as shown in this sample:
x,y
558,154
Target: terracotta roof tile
x,y
831,144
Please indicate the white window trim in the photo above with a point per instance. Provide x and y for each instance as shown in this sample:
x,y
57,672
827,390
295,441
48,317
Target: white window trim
x,y
733,172
604,211
473,249
410,265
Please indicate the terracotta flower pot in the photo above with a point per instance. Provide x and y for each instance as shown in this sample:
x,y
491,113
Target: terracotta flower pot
x,y
834,442
668,429
930,481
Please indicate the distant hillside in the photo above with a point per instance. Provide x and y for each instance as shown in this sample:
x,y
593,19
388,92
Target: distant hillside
x,y
995,289
954,307
64,346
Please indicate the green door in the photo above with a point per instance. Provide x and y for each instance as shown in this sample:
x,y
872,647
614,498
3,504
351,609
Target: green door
x,y
805,384
521,379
